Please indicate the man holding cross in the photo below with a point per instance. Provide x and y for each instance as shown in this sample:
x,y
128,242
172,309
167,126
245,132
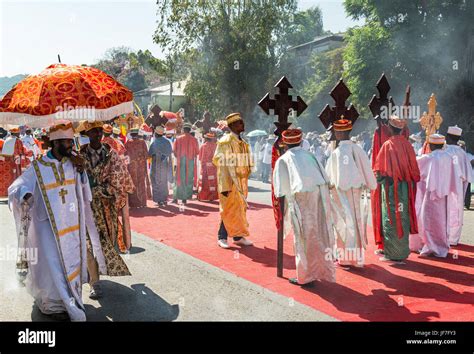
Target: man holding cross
x,y
51,205
300,178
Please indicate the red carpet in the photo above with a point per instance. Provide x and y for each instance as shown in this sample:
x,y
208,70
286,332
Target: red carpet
x,y
420,290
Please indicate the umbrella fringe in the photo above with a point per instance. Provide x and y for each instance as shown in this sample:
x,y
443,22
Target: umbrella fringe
x,y
73,115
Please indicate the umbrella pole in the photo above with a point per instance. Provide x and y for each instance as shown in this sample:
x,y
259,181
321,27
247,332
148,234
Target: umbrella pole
x,y
280,239
127,236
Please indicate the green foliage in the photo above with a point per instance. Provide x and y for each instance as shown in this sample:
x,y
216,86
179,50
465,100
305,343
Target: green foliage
x,y
304,27
328,69
232,48
362,61
137,70
421,43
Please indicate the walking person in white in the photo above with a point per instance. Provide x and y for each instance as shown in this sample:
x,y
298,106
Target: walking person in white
x,y
51,200
300,178
267,159
456,200
438,179
349,171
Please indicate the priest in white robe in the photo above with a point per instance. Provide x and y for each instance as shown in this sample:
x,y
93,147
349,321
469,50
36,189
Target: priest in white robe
x,y
456,200
349,171
31,144
300,178
438,179
51,206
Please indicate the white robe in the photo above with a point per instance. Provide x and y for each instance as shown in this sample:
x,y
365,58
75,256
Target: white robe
x,y
58,232
30,144
438,179
300,178
349,171
456,199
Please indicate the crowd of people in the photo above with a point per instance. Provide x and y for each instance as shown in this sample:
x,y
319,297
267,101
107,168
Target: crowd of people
x,y
71,188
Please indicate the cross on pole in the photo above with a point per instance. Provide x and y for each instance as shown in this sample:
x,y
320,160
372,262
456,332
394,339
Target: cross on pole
x,y
377,104
281,105
406,104
432,120
62,194
340,93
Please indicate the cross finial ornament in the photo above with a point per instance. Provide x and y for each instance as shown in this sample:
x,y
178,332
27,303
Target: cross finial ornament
x,y
379,105
340,93
432,120
62,193
406,104
282,104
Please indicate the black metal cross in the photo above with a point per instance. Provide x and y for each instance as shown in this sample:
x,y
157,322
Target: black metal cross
x,y
281,105
376,104
340,93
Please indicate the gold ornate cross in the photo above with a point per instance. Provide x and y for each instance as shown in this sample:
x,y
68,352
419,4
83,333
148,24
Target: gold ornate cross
x,y
432,120
62,194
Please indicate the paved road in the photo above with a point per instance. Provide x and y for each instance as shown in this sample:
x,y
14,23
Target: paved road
x,y
166,285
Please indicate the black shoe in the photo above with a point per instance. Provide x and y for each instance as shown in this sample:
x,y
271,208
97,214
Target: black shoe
x,y
294,281
60,316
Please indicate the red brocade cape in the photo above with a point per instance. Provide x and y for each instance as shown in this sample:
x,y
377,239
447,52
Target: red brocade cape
x,y
381,135
397,160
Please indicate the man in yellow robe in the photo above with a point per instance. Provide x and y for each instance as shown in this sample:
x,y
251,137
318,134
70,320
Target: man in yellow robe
x,y
233,161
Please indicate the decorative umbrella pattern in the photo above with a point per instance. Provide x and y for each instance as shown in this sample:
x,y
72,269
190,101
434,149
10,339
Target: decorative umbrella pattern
x,y
65,92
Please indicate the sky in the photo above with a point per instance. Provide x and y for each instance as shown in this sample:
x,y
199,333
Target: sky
x,y
34,32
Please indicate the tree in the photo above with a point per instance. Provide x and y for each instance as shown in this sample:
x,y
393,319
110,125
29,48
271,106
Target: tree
x,y
328,68
304,27
135,70
421,43
232,47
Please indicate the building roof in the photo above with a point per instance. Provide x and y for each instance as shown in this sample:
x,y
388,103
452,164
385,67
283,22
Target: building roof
x,y
320,40
164,90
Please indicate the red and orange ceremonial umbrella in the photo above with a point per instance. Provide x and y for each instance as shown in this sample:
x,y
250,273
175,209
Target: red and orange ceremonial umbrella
x,y
70,92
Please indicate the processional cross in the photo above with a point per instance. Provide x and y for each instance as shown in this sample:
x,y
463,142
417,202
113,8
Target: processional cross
x,y
377,104
340,93
281,105
62,193
432,120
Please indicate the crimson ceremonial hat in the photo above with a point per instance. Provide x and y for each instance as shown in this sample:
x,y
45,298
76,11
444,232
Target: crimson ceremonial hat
x,y
210,135
397,122
107,128
292,136
342,125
